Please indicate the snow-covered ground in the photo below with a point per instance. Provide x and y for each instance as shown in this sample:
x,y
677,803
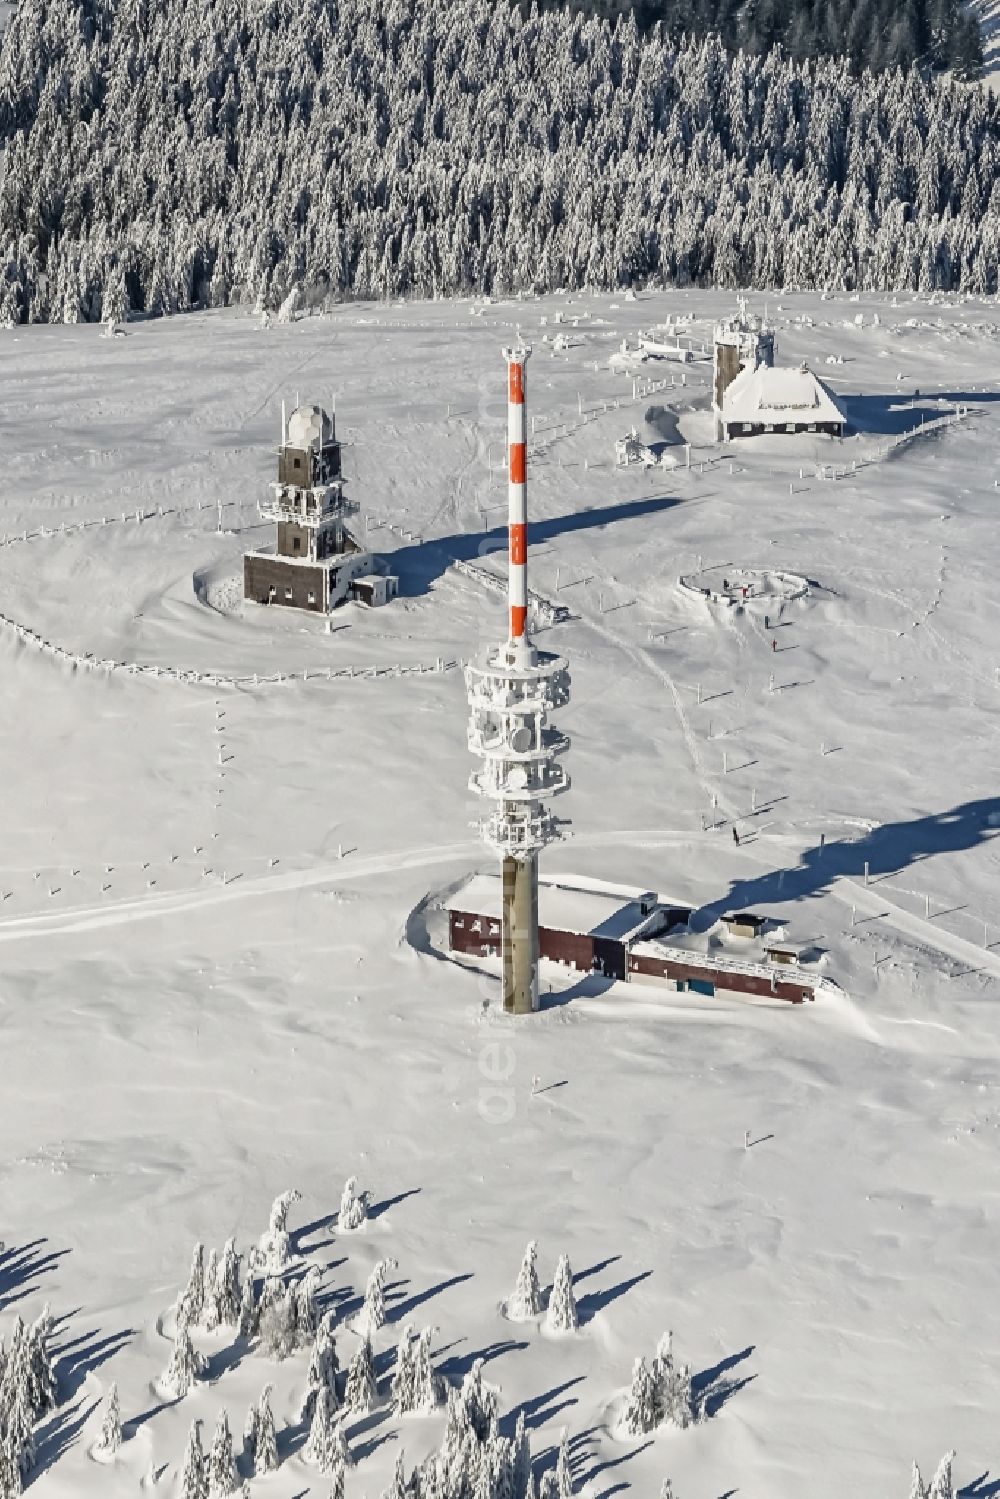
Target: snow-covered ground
x,y
207,991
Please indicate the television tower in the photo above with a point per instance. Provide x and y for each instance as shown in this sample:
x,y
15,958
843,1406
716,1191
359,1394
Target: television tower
x,y
511,692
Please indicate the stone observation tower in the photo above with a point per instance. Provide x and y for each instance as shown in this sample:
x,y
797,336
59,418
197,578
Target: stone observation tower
x,y
316,563
511,693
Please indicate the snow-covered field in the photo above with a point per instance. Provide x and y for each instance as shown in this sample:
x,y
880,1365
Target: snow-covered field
x,y
207,993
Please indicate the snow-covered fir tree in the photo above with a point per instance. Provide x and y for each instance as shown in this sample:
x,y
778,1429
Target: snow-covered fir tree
x,y
265,1439
322,1432
403,1386
675,1395
185,1365
643,1410
306,1309
359,1392
194,1474
667,1490
353,1206
276,1319
109,1441
372,1314
323,1367
249,1312
222,1475
228,1295
398,1487
526,1301
39,1372
942,1484
191,1303
561,1316
564,1471
210,1302
918,1489
427,1387
274,1246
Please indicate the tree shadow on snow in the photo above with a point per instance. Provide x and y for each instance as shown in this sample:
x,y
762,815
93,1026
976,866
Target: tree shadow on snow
x,y
540,1408
887,850
420,565
713,1388
595,1301
581,1455
400,1310
455,1368
23,1264
982,1487
378,1208
60,1432
80,1357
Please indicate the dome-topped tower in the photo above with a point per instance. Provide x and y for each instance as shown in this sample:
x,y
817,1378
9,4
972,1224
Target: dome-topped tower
x,y
310,427
316,563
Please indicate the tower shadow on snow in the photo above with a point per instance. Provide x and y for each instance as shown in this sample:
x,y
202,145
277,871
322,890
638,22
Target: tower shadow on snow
x,y
420,564
887,850
891,415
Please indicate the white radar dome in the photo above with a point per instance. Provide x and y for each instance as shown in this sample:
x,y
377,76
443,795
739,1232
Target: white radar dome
x,y
309,427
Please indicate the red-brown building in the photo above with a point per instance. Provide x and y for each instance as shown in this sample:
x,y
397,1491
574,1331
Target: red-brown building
x,y
622,934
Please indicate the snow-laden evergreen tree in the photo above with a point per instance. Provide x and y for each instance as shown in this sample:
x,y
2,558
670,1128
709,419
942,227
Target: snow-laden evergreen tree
x,y
109,1442
522,1459
319,1448
644,1409
210,1300
228,1295
250,1436
359,1393
942,1485
398,1487
185,1365
479,1402
11,1482
427,1387
194,1475
265,1450
403,1387
917,1488
667,1490
249,1313
353,1206
192,1299
276,1319
561,1316
526,1301
550,1486
306,1309
39,1373
323,1367
564,1472
274,1245
222,1476
372,1315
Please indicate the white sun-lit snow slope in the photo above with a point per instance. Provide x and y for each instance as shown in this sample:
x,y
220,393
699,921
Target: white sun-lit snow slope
x,y
213,985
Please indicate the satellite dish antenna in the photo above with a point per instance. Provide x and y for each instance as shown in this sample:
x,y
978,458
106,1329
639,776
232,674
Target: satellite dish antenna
x,y
520,740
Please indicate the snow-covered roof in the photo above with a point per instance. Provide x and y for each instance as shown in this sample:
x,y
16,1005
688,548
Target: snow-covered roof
x,y
769,395
562,908
716,962
309,427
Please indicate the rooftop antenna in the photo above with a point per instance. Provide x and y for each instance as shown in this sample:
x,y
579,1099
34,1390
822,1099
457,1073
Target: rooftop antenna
x,y
284,425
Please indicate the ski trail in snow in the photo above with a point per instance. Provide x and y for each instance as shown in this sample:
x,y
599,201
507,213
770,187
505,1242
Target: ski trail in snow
x,y
921,930
340,872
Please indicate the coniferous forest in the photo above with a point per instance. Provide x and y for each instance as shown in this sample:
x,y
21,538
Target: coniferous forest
x,y
874,34
200,152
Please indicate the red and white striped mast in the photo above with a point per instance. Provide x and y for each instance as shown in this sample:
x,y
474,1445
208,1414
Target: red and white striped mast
x,y
517,495
511,693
